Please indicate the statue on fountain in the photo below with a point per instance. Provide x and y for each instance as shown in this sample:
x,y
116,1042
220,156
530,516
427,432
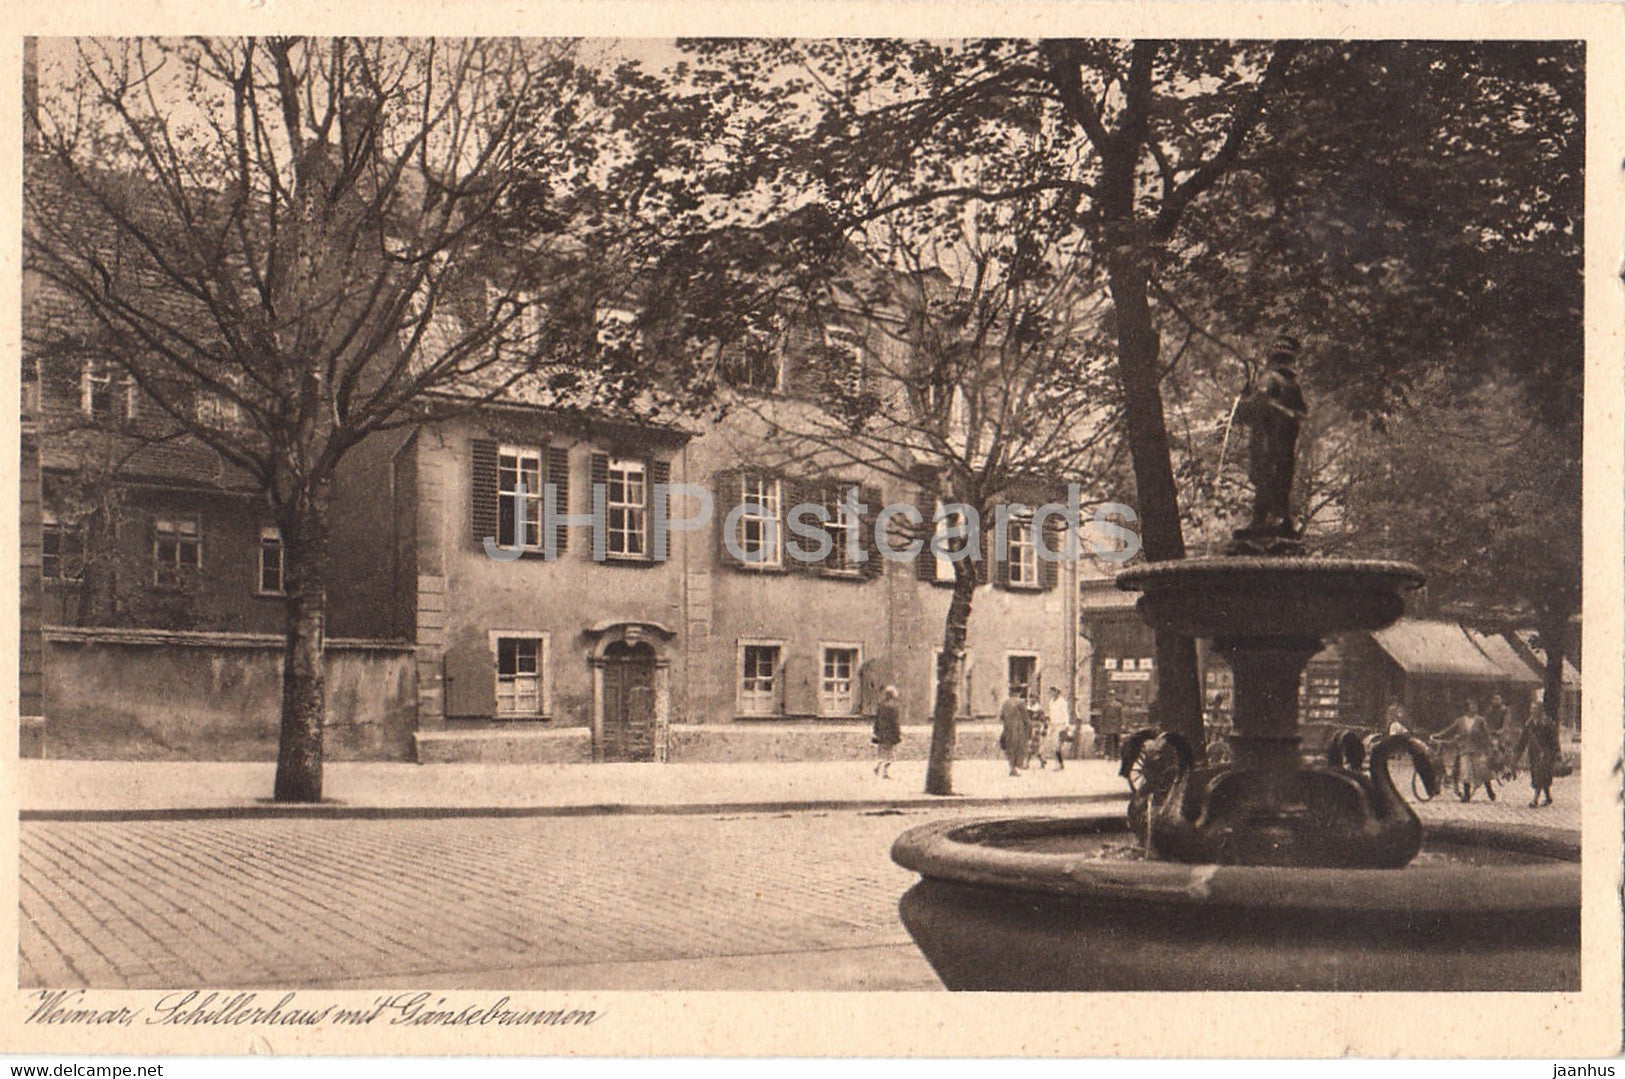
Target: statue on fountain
x,y
1273,411
1267,614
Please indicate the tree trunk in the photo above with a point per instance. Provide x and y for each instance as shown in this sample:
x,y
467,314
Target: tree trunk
x,y
939,776
1553,623
1178,705
304,691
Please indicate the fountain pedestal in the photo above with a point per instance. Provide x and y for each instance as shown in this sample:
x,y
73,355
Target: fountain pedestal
x,y
1268,616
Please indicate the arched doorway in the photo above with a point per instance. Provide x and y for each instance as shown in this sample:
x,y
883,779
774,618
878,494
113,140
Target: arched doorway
x,y
631,687
629,701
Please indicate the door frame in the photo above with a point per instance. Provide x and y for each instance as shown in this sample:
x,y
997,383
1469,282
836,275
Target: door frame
x,y
656,636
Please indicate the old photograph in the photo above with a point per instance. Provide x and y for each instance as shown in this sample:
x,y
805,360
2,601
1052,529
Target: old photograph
x,y
508,520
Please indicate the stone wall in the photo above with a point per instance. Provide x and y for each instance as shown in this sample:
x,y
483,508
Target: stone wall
x,y
155,695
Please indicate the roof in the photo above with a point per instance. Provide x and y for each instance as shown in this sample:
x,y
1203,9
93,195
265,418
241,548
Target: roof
x,y
1503,655
1438,650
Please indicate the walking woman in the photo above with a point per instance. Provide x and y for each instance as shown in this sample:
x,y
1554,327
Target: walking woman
x,y
1472,744
888,731
1539,740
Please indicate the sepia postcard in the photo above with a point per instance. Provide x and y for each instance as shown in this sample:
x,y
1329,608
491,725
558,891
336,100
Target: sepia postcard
x,y
837,529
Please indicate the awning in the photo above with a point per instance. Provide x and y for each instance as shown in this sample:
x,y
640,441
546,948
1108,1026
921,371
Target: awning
x,y
1571,675
1437,649
1504,656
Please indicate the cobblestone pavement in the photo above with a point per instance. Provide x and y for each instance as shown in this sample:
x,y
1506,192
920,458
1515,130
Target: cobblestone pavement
x,y
748,901
255,902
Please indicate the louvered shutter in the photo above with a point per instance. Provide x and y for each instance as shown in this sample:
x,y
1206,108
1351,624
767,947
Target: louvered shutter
x,y
1049,569
659,477
792,493
875,565
985,566
598,480
558,474
925,563
483,490
726,482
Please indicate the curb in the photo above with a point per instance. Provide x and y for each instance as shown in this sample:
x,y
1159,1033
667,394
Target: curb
x,y
268,810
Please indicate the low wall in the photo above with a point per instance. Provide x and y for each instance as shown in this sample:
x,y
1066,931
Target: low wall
x,y
725,742
514,745
155,695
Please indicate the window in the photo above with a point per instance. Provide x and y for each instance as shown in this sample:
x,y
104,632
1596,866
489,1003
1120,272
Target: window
x,y
61,550
1022,675
838,522
844,360
761,530
519,676
752,363
837,695
519,513
758,679
102,394
177,544
1022,555
627,502
217,410
270,575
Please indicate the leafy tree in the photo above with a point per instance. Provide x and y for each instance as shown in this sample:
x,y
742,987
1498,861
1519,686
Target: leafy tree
x,y
1357,192
1481,494
284,242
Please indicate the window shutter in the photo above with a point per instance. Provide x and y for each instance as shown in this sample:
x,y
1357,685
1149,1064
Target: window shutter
x,y
483,489
598,480
471,679
793,493
875,565
925,563
727,497
780,687
659,476
558,474
801,685
1049,569
985,566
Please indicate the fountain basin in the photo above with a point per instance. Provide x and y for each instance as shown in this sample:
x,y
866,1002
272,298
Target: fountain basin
x,y
1263,597
1043,904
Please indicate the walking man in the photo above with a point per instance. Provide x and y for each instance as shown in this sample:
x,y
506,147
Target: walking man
x,y
1014,732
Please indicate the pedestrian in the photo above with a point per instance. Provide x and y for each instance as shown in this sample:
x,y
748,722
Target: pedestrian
x,y
1013,731
888,731
1539,740
1057,720
1111,725
1396,720
1472,740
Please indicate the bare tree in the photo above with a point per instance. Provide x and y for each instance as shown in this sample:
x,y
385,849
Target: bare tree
x,y
961,358
286,244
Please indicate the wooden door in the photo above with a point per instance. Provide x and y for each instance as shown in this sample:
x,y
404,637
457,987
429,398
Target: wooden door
x,y
629,702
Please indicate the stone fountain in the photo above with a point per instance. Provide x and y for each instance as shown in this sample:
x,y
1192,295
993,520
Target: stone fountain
x,y
1270,872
